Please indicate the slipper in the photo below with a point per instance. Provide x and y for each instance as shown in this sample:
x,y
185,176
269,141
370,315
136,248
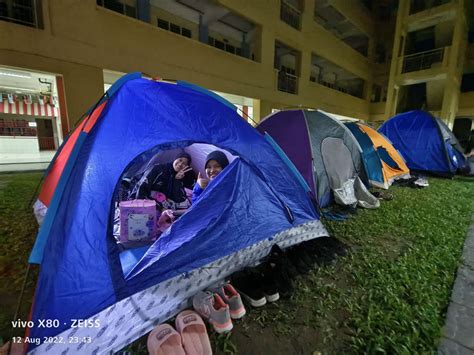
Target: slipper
x,y
164,340
193,333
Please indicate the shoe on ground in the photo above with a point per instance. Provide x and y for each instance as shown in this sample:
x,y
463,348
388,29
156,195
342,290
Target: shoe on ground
x,y
299,260
336,245
269,284
321,252
211,307
280,257
232,298
249,284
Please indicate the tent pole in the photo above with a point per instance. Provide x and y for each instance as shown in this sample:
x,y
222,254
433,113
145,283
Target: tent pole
x,y
20,299
17,311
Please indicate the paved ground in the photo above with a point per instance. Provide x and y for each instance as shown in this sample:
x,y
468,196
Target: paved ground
x,y
458,331
25,161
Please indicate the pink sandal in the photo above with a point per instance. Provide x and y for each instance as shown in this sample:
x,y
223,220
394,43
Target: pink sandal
x,y
165,340
193,333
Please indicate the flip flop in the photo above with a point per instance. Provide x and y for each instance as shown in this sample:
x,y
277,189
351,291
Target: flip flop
x,y
165,340
193,333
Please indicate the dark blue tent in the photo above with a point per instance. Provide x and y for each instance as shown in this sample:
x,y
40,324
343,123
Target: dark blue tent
x,y
425,142
95,305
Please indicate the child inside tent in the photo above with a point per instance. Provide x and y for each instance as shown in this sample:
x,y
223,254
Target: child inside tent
x,y
216,161
153,203
167,182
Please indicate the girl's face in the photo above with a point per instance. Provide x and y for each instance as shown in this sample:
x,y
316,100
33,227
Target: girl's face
x,y
213,168
180,163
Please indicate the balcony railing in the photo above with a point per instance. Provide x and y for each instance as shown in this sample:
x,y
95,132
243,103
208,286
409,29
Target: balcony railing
x,y
119,6
287,82
422,5
353,91
423,60
22,12
290,15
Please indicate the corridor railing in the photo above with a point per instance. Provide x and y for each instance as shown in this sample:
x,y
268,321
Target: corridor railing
x,y
423,60
290,15
287,82
422,5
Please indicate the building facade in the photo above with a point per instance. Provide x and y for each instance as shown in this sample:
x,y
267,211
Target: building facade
x,y
336,55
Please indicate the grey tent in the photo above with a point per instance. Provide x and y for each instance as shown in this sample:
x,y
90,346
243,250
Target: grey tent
x,y
326,154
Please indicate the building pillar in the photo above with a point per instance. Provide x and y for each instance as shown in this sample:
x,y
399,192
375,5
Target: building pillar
x,y
64,121
143,10
397,56
261,109
304,72
455,68
245,47
83,87
203,31
307,15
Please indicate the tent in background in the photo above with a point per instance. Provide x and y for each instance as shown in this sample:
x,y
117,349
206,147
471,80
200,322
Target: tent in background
x,y
425,142
325,152
382,161
254,203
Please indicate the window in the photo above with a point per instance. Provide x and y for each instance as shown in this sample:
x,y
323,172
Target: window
x,y
229,48
163,24
130,11
175,28
23,12
186,32
16,128
380,54
219,44
467,83
224,45
119,6
376,93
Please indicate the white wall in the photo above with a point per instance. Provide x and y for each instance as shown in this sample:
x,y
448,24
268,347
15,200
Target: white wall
x,y
22,145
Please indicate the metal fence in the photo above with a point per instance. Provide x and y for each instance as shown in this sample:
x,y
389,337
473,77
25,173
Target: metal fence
x,y
22,12
423,60
287,82
422,5
353,91
290,15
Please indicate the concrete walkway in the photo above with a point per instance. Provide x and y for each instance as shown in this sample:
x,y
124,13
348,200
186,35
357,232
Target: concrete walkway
x,y
25,161
458,331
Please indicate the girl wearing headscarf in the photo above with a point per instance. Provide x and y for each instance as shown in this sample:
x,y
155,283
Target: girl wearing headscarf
x,y
216,161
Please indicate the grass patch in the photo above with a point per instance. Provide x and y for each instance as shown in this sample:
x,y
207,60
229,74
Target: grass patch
x,y
389,295
18,230
403,279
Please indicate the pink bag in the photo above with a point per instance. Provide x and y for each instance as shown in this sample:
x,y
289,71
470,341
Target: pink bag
x,y
137,220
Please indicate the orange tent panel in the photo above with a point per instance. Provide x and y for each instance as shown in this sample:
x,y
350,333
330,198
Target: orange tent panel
x,y
379,140
51,180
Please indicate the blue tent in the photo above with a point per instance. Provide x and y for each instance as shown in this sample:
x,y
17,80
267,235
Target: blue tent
x,y
372,163
425,142
98,299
